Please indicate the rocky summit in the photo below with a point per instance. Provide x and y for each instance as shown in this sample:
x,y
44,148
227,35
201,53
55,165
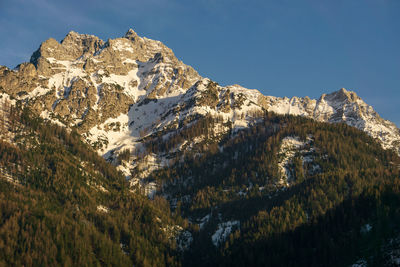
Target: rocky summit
x,y
122,92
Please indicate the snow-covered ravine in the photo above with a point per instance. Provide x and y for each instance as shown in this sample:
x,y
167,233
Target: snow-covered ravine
x,y
223,231
147,117
290,147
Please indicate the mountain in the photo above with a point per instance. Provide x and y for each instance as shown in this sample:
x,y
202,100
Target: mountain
x,y
120,92
234,177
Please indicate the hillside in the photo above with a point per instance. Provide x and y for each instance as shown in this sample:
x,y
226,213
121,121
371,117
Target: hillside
x,y
62,204
287,192
117,153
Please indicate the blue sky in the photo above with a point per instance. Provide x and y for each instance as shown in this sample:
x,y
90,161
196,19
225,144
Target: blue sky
x,y
282,48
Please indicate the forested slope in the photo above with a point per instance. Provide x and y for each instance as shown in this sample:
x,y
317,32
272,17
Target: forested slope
x,y
286,191
336,194
62,204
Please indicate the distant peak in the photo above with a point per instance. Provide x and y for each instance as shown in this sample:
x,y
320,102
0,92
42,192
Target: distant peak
x,y
130,31
342,94
130,34
71,37
348,94
74,36
72,33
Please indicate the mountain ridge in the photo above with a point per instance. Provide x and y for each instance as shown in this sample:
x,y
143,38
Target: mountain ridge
x,y
119,92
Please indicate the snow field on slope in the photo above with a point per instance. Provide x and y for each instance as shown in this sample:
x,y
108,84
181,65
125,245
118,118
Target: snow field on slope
x,y
290,145
223,231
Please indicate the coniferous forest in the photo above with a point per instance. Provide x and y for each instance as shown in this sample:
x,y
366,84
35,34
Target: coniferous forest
x,y
61,204
66,206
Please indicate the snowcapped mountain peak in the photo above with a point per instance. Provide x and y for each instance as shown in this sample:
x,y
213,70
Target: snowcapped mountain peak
x,y
120,92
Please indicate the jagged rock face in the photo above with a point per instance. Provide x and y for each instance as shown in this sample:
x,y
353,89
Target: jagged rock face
x,y
21,81
122,91
83,81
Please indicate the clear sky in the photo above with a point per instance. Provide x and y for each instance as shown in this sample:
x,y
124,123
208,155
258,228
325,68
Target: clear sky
x,y
282,47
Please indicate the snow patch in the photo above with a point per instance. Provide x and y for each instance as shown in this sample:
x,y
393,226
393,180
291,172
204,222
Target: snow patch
x,y
8,176
102,208
150,189
366,228
122,46
184,240
223,231
289,147
204,221
182,237
45,114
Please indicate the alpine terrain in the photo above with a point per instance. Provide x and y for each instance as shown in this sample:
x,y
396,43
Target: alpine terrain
x,y
117,153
